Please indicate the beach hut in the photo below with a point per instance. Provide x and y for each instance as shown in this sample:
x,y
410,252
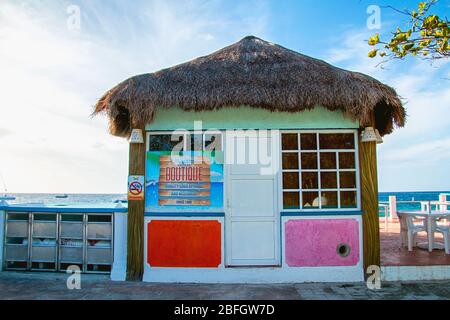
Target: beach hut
x,y
252,164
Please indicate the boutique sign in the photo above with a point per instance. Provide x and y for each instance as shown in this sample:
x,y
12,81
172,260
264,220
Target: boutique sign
x,y
186,180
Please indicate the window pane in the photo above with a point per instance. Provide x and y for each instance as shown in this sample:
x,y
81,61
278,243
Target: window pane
x,y
336,141
196,142
346,160
309,180
289,141
347,179
163,142
308,141
329,199
310,200
327,160
213,141
309,160
291,200
290,180
348,199
290,160
328,180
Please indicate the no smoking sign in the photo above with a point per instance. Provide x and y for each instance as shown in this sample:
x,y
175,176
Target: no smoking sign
x,y
136,187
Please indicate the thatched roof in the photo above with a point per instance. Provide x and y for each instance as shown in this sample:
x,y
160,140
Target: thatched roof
x,y
255,73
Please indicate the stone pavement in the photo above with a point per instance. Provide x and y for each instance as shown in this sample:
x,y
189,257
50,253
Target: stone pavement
x,y
16,285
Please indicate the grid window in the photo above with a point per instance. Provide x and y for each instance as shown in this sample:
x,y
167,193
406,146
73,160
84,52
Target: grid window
x,y
291,200
319,170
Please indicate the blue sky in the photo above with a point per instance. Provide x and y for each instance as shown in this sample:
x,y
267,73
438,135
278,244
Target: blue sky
x,y
51,75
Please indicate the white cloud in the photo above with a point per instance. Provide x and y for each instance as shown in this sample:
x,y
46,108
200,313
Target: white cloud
x,y
420,153
415,157
51,76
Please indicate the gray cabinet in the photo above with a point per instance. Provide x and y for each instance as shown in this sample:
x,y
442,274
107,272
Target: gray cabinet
x,y
16,248
44,237
55,241
99,248
72,241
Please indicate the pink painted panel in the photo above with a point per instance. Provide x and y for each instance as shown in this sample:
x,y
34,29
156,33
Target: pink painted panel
x,y
313,243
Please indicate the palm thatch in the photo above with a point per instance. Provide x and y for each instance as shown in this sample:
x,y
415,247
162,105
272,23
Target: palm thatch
x,y
255,73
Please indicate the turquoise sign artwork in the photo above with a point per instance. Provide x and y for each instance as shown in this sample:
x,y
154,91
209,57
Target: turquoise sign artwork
x,y
184,181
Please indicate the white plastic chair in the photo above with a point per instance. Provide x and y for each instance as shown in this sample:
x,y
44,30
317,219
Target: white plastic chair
x,y
445,230
413,230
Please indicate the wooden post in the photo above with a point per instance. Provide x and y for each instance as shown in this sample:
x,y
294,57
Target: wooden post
x,y
135,231
369,203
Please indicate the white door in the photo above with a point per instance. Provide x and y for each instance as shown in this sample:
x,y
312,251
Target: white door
x,y
252,217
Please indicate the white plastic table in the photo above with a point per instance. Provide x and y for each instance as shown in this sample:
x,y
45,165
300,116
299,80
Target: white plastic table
x,y
431,218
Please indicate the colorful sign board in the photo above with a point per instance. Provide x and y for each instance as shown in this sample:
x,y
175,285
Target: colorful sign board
x,y
184,181
136,187
187,180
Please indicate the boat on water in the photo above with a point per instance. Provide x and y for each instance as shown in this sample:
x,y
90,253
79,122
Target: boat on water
x,y
6,197
62,196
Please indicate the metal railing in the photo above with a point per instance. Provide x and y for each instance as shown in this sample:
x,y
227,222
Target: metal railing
x,y
389,208
385,208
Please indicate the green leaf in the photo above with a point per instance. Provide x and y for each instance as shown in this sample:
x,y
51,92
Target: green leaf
x,y
372,53
373,40
439,33
401,37
408,46
444,46
422,7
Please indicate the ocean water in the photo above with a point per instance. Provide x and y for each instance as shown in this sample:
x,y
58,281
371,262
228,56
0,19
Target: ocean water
x,y
106,200
383,197
109,199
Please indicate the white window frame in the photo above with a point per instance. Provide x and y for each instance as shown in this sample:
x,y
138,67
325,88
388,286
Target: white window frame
x,y
318,170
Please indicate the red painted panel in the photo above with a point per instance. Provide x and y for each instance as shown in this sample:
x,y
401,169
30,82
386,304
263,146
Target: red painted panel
x,y
184,243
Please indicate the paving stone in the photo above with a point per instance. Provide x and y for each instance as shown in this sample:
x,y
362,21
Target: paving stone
x,y
43,286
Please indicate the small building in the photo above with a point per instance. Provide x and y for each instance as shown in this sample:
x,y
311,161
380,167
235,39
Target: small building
x,y
252,164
